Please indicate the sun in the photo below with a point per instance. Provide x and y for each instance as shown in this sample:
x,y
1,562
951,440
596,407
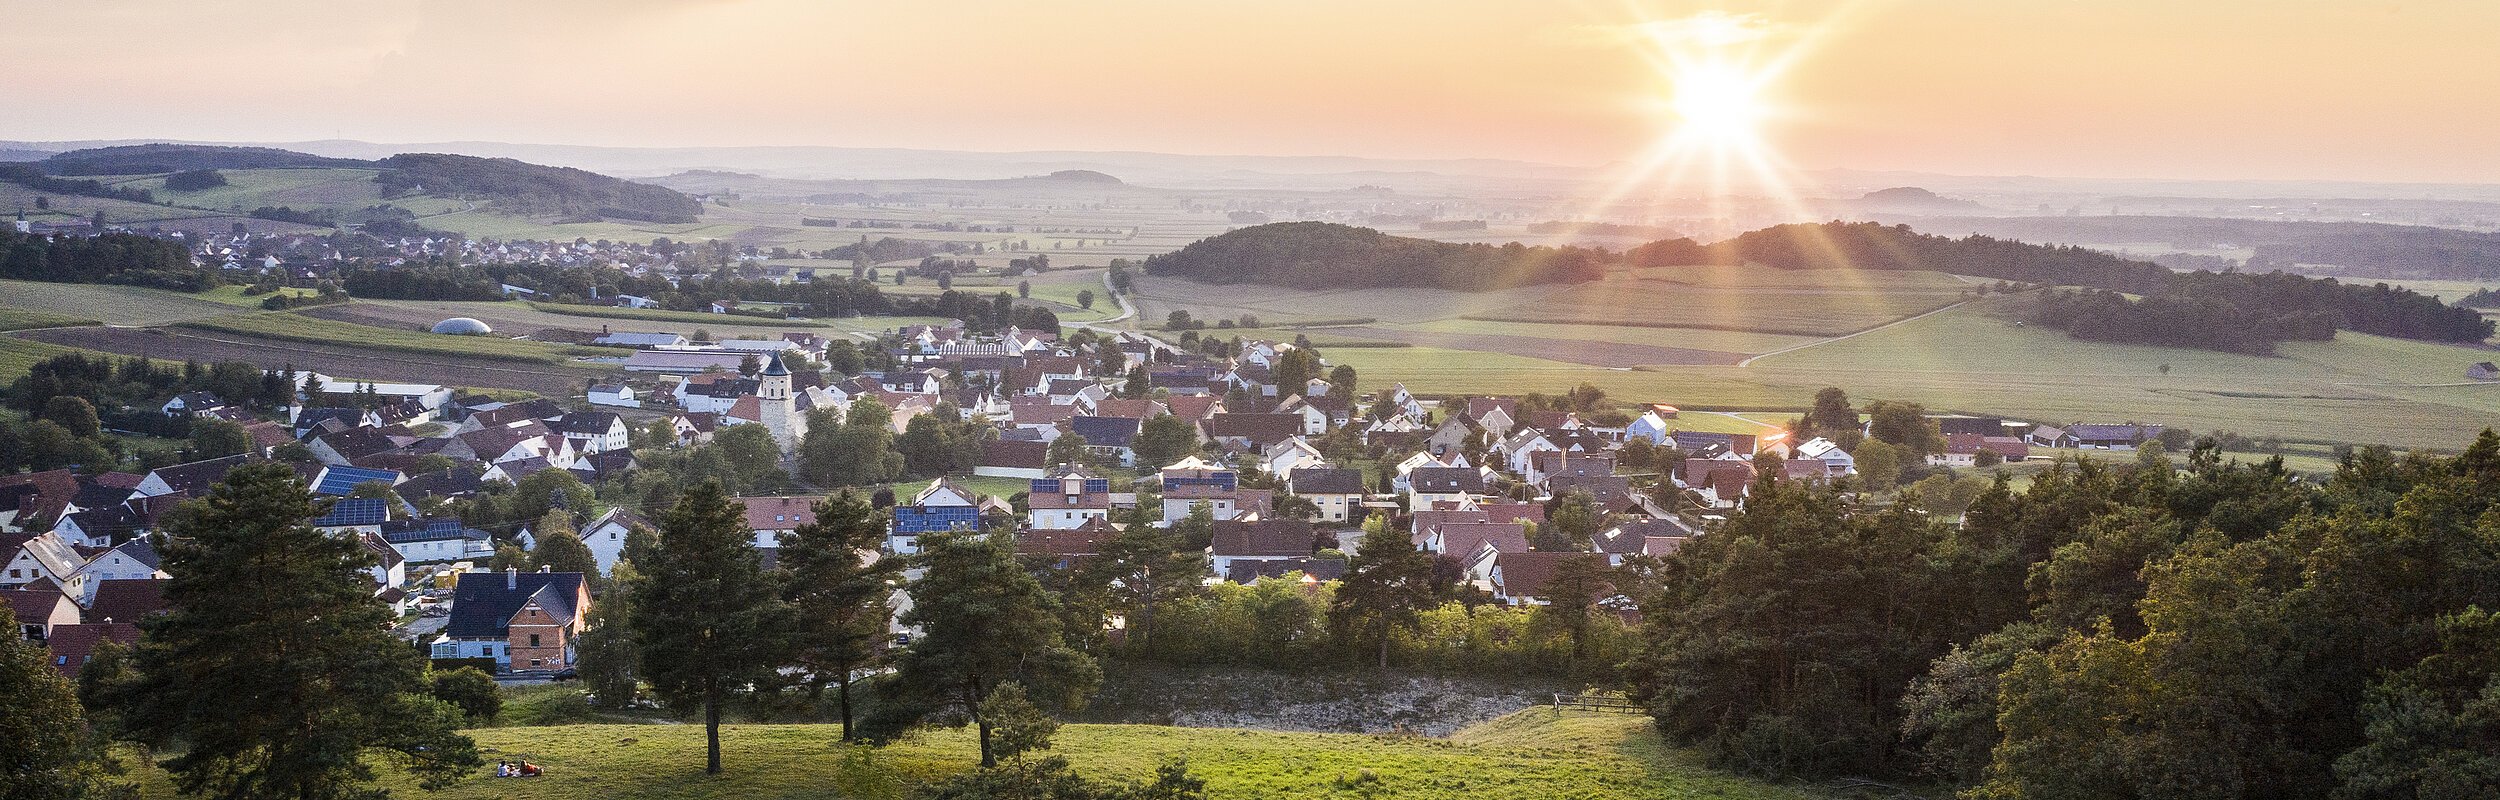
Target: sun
x,y
1717,102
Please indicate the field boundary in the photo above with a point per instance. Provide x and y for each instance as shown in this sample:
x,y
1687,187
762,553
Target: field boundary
x,y
1902,321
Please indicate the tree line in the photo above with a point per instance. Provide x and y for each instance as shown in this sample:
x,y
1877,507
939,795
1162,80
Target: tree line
x,y
2224,630
1324,254
121,258
524,188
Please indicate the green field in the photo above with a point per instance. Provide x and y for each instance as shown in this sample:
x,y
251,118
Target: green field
x,y
233,295
18,319
1533,755
19,355
299,328
117,305
2357,389
729,323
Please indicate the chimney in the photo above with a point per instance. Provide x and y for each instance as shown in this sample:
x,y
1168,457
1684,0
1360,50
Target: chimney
x,y
511,579
546,568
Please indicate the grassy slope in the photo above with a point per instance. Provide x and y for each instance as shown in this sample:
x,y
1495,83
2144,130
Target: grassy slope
x,y
1533,754
118,305
13,319
299,328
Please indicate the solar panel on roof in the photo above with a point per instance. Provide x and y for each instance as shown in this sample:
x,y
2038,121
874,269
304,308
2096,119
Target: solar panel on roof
x,y
355,511
339,481
929,519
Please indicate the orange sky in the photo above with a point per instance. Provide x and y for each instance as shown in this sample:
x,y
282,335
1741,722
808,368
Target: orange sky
x,y
2109,88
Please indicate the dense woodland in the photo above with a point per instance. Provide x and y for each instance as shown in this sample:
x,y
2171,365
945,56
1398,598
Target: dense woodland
x,y
149,159
1327,255
31,177
2227,631
2365,248
122,258
2231,311
523,188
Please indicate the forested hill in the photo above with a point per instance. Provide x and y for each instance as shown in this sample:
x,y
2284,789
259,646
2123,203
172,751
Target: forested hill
x,y
2233,311
1315,255
149,159
524,188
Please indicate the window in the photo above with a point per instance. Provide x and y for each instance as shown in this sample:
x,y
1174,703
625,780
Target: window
x,y
533,640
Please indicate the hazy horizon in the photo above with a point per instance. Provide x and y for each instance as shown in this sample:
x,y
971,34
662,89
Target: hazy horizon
x,y
2126,90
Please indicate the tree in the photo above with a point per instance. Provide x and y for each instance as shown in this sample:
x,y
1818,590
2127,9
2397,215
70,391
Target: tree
x,y
606,656
1295,369
45,753
1024,289
923,446
985,621
1579,583
1018,726
857,452
1085,299
1879,464
267,615
217,438
552,490
1387,584
1137,384
1572,522
1068,449
73,414
470,690
1341,380
837,595
1163,440
1142,568
1904,425
1178,321
704,611
1832,414
559,547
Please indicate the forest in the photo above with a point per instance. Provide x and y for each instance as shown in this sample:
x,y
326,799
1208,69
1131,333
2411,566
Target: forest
x,y
31,177
2232,311
1315,255
122,258
2224,631
522,188
150,159
2365,248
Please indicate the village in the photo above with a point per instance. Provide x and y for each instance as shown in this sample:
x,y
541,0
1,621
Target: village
x,y
1272,461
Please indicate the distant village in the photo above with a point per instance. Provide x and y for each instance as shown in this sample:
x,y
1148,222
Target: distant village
x,y
1283,474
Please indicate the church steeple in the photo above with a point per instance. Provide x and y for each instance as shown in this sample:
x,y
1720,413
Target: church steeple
x,y
774,383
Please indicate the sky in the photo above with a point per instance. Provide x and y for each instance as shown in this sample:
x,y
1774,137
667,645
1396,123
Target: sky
x,y
2209,89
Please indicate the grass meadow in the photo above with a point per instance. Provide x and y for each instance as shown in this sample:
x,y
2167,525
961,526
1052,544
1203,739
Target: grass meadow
x,y
299,328
1532,755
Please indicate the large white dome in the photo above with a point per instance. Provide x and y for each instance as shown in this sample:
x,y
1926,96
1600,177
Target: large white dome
x,y
463,326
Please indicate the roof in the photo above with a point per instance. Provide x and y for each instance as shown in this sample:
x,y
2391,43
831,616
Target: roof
x,y
1084,540
1321,569
1326,480
1445,480
588,422
778,513
2114,433
1258,428
339,480
31,605
1512,512
1014,454
1141,408
1104,431
1526,574
1632,536
1464,538
355,442
128,599
349,511
1279,537
196,476
73,645
482,604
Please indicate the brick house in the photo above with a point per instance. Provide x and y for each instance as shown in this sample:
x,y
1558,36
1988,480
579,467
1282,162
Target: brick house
x,y
522,620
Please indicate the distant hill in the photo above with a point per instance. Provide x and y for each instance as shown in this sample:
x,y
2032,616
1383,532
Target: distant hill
x,y
1912,199
2359,248
1326,254
522,188
1082,176
148,159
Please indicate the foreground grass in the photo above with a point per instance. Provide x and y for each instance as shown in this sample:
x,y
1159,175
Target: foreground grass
x,y
12,319
1538,753
313,330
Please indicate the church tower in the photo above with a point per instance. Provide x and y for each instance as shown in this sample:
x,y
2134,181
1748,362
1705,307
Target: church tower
x,y
780,411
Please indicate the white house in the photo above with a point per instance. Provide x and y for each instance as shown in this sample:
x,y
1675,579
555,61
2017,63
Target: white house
x,y
605,536
614,394
1282,458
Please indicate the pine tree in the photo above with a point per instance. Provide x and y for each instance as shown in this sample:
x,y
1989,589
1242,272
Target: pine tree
x,y
1387,585
985,621
704,611
268,615
1142,567
559,547
837,586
